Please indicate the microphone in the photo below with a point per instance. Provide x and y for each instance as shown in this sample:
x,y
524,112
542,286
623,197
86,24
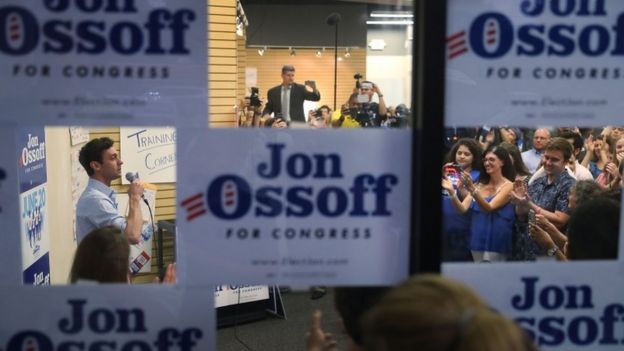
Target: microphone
x,y
132,176
333,18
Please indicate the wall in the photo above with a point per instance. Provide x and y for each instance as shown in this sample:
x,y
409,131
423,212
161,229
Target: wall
x,y
222,64
305,24
241,64
309,67
62,245
391,68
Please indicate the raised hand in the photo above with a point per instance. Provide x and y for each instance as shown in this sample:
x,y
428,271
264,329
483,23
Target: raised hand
x,y
316,338
170,275
589,144
466,180
448,186
612,169
543,222
540,236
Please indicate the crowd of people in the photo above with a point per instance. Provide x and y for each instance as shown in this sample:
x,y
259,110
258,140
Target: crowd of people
x,y
512,194
283,107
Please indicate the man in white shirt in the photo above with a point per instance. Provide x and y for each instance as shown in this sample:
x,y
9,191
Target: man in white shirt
x,y
532,158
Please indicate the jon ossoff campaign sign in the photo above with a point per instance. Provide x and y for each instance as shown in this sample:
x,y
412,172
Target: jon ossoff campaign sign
x,y
294,207
103,62
571,306
535,62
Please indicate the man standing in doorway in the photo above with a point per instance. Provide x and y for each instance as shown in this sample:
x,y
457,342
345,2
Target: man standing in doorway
x,y
97,206
285,101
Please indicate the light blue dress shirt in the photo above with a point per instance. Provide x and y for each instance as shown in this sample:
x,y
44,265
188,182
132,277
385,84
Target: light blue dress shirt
x,y
531,159
97,208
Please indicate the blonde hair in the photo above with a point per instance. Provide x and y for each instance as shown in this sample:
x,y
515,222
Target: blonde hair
x,y
432,313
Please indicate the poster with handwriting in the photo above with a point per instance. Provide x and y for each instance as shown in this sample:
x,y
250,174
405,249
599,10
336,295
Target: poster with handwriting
x,y
150,152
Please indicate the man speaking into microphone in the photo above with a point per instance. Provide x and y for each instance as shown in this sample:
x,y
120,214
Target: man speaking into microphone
x,y
97,206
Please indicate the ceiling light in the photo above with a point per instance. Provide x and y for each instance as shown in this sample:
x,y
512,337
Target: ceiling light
x,y
377,44
293,52
261,51
402,23
392,14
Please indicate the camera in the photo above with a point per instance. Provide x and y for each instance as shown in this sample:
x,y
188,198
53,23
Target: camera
x,y
364,116
357,78
454,168
254,98
318,114
401,117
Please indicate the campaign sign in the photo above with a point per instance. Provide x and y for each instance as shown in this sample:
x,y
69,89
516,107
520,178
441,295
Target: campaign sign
x,y
534,62
31,157
294,207
39,272
150,152
34,224
140,253
106,317
226,295
105,62
562,306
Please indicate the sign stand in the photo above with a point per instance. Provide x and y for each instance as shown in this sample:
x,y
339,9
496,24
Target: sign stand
x,y
278,304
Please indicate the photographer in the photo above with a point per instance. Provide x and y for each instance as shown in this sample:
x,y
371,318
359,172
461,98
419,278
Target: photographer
x,y
366,112
277,122
369,88
397,118
320,118
250,110
344,118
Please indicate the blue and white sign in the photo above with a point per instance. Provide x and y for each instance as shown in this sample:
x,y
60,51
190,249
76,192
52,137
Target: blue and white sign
x,y
227,295
535,62
107,317
31,157
105,62
38,273
563,306
34,231
295,206
33,202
